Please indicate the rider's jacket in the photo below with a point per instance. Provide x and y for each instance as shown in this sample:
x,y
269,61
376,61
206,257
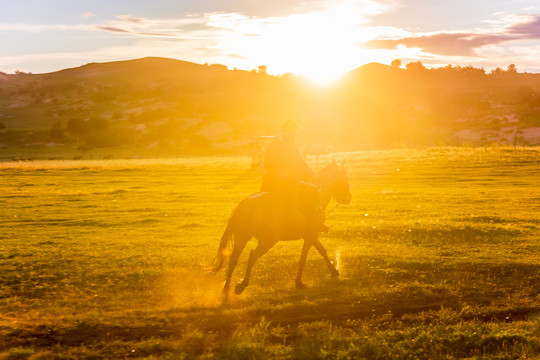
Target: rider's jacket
x,y
285,167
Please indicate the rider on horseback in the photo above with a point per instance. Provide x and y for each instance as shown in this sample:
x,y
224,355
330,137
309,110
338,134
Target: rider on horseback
x,y
287,208
289,175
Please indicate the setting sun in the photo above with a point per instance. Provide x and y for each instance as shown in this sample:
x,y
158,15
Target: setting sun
x,y
319,45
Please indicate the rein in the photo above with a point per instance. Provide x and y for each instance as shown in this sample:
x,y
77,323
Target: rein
x,y
332,209
331,197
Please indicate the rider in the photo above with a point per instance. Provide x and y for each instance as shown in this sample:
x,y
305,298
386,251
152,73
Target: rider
x,y
288,174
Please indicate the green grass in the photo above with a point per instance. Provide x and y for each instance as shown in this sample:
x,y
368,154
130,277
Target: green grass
x,y
106,259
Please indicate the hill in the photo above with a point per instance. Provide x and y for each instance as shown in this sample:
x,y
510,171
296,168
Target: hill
x,y
159,102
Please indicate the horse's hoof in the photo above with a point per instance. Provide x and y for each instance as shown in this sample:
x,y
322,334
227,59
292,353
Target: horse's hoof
x,y
300,285
335,273
239,288
225,300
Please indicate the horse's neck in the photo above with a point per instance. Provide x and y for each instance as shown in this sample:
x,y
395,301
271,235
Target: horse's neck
x,y
325,195
325,198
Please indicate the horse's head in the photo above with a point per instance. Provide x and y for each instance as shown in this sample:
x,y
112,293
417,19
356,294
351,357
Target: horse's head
x,y
334,179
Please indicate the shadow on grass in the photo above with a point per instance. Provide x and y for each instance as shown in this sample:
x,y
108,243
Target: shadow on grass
x,y
478,232
371,287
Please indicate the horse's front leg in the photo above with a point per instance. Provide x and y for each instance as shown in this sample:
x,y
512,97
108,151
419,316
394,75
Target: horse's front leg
x,y
302,264
262,248
239,244
320,248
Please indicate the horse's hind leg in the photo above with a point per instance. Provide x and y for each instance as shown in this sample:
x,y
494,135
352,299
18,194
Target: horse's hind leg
x,y
320,248
240,242
302,264
261,249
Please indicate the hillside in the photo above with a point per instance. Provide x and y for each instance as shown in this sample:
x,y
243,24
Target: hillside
x,y
158,102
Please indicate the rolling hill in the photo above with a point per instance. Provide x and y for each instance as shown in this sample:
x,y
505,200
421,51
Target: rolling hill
x,y
163,102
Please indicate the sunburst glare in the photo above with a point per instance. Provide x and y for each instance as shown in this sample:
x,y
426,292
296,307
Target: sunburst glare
x,y
319,45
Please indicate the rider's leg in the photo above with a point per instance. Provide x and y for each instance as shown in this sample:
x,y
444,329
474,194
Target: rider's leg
x,y
309,203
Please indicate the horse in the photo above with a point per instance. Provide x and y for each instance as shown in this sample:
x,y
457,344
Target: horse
x,y
269,218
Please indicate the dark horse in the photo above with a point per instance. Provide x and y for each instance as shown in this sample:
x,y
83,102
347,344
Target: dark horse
x,y
270,218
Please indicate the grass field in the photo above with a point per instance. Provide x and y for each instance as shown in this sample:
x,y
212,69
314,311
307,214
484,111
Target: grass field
x,y
439,255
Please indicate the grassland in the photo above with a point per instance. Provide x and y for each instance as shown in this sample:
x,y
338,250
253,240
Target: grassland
x,y
439,256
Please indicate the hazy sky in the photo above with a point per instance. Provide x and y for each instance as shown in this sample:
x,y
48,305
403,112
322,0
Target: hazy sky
x,y
320,38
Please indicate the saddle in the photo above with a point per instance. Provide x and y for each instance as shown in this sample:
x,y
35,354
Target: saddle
x,y
303,198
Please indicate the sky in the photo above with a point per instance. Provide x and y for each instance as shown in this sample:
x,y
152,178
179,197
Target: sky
x,y
317,38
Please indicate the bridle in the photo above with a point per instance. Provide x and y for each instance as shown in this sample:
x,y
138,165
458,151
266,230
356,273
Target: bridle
x,y
334,208
332,196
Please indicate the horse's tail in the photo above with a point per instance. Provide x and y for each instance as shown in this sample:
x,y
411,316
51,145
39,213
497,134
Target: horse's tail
x,y
225,244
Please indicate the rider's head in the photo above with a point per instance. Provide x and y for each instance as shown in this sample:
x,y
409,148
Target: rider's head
x,y
289,129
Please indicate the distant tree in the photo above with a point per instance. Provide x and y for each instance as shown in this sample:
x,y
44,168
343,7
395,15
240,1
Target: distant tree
x,y
471,70
98,124
497,71
199,142
526,94
76,127
287,75
262,69
219,66
116,115
396,63
415,66
518,138
511,69
56,132
84,148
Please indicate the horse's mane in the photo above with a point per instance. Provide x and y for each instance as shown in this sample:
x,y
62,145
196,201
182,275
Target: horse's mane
x,y
328,169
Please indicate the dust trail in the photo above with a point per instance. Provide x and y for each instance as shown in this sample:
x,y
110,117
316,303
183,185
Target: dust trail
x,y
188,288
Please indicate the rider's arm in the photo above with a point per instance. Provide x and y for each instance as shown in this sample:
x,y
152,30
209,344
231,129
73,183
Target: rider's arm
x,y
271,158
306,174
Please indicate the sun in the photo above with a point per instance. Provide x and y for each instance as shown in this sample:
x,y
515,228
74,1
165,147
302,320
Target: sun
x,y
320,46
321,75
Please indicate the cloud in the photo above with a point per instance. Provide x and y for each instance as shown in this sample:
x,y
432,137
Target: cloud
x,y
466,43
125,31
87,15
130,19
193,27
528,27
157,34
264,9
453,44
113,29
37,28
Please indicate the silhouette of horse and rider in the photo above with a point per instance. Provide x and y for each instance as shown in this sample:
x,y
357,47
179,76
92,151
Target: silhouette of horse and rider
x,y
290,206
